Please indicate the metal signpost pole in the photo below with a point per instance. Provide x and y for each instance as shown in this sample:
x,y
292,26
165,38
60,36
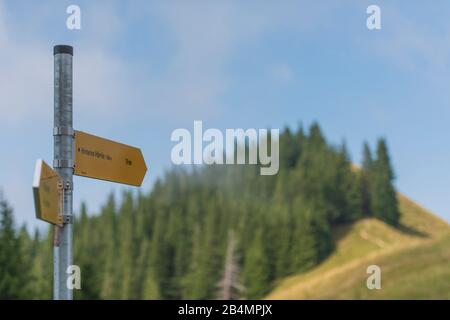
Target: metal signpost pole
x,y
63,163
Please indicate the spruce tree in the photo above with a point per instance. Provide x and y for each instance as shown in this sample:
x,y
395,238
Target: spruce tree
x,y
41,270
311,237
126,249
289,149
149,289
14,271
256,268
348,198
383,195
365,177
109,278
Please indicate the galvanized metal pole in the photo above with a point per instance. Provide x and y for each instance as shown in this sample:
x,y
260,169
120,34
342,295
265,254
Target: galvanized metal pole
x,y
63,163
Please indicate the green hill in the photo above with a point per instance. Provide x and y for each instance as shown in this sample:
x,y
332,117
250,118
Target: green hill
x,y
414,261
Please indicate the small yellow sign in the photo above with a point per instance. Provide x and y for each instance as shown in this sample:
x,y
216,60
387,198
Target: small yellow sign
x,y
104,159
46,193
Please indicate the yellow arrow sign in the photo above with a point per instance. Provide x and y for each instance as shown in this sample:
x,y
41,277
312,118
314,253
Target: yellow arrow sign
x,y
46,193
104,159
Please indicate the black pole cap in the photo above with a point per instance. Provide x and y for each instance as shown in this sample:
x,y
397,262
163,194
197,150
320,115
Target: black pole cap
x,y
62,48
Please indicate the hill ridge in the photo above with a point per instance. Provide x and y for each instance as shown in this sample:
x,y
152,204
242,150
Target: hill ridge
x,y
370,241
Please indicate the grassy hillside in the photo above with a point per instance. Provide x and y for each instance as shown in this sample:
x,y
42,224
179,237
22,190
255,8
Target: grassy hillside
x,y
414,261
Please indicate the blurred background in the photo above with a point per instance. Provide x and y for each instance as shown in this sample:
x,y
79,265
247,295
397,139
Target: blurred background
x,y
363,151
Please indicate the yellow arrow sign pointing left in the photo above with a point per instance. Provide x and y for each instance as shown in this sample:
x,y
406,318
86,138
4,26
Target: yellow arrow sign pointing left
x,y
46,193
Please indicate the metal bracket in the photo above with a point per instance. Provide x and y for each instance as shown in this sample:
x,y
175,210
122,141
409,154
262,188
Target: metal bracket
x,y
63,163
63,131
68,185
67,219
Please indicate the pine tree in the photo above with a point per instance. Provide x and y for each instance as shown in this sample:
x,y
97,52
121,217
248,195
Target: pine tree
x,y
160,257
383,195
365,177
87,246
14,270
347,196
256,268
109,278
193,287
204,270
150,288
281,234
289,149
27,254
311,237
126,249
41,270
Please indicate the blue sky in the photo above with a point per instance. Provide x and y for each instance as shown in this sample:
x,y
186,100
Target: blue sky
x,y
145,68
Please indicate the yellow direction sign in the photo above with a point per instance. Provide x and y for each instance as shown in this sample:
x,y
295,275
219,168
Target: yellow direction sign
x,y
104,159
46,193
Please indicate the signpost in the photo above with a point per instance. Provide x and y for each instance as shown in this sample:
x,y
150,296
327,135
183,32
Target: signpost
x,y
104,159
63,164
78,153
46,190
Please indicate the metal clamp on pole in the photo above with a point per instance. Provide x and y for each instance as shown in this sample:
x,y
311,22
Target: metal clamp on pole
x,y
63,131
68,185
65,185
67,218
63,163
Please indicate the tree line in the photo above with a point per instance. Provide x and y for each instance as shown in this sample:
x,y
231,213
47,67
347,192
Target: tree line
x,y
219,231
